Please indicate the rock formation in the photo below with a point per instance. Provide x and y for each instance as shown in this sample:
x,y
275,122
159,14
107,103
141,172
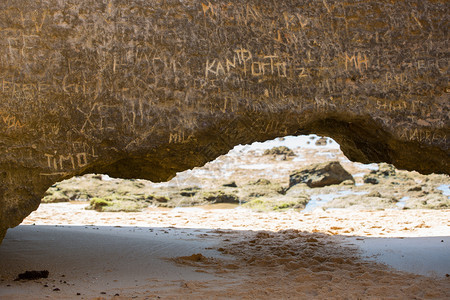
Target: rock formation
x,y
144,89
320,175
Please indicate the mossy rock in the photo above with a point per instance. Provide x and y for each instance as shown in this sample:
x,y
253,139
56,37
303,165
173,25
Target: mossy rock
x,y
116,204
124,206
220,197
261,181
98,203
161,199
373,200
260,188
428,201
55,197
276,204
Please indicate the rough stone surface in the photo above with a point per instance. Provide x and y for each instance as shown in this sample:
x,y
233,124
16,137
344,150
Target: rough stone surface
x,y
384,171
322,141
320,175
148,88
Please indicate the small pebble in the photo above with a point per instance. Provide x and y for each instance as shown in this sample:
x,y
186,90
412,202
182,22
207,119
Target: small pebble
x,y
56,289
78,294
103,293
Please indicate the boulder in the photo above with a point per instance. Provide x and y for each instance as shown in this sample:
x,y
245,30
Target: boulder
x,y
261,181
320,175
321,142
220,197
280,150
146,89
370,179
385,171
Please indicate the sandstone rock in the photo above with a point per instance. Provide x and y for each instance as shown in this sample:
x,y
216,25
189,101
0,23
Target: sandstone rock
x,y
281,150
145,89
322,141
370,201
261,181
385,171
370,179
374,194
320,175
262,188
189,192
220,197
415,189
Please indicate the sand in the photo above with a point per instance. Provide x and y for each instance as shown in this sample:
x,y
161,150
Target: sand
x,y
226,252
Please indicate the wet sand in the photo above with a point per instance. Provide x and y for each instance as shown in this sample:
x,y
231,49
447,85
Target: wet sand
x,y
210,253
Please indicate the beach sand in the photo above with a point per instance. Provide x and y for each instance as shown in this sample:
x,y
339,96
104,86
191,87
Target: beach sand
x,y
226,252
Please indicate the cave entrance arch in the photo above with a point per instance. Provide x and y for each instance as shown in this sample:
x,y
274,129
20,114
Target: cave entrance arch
x,y
289,172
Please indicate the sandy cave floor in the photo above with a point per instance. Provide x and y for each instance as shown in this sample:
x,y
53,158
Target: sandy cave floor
x,y
198,253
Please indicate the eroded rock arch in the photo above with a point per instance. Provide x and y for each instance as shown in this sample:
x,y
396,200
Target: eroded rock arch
x,y
148,88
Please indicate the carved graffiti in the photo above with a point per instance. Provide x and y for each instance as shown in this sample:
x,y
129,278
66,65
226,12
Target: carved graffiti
x,y
244,62
10,121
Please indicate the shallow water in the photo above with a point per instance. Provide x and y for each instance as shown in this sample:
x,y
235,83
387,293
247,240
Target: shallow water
x,y
322,199
319,201
445,188
420,255
372,167
402,202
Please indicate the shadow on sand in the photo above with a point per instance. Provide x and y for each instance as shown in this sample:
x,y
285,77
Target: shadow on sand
x,y
106,262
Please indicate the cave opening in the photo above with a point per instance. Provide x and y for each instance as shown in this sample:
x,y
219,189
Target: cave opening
x,y
262,176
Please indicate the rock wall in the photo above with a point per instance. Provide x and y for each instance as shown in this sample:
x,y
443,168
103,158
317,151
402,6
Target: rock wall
x,y
148,88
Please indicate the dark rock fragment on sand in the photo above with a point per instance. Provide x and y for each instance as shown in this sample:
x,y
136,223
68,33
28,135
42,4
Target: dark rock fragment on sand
x,y
32,275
